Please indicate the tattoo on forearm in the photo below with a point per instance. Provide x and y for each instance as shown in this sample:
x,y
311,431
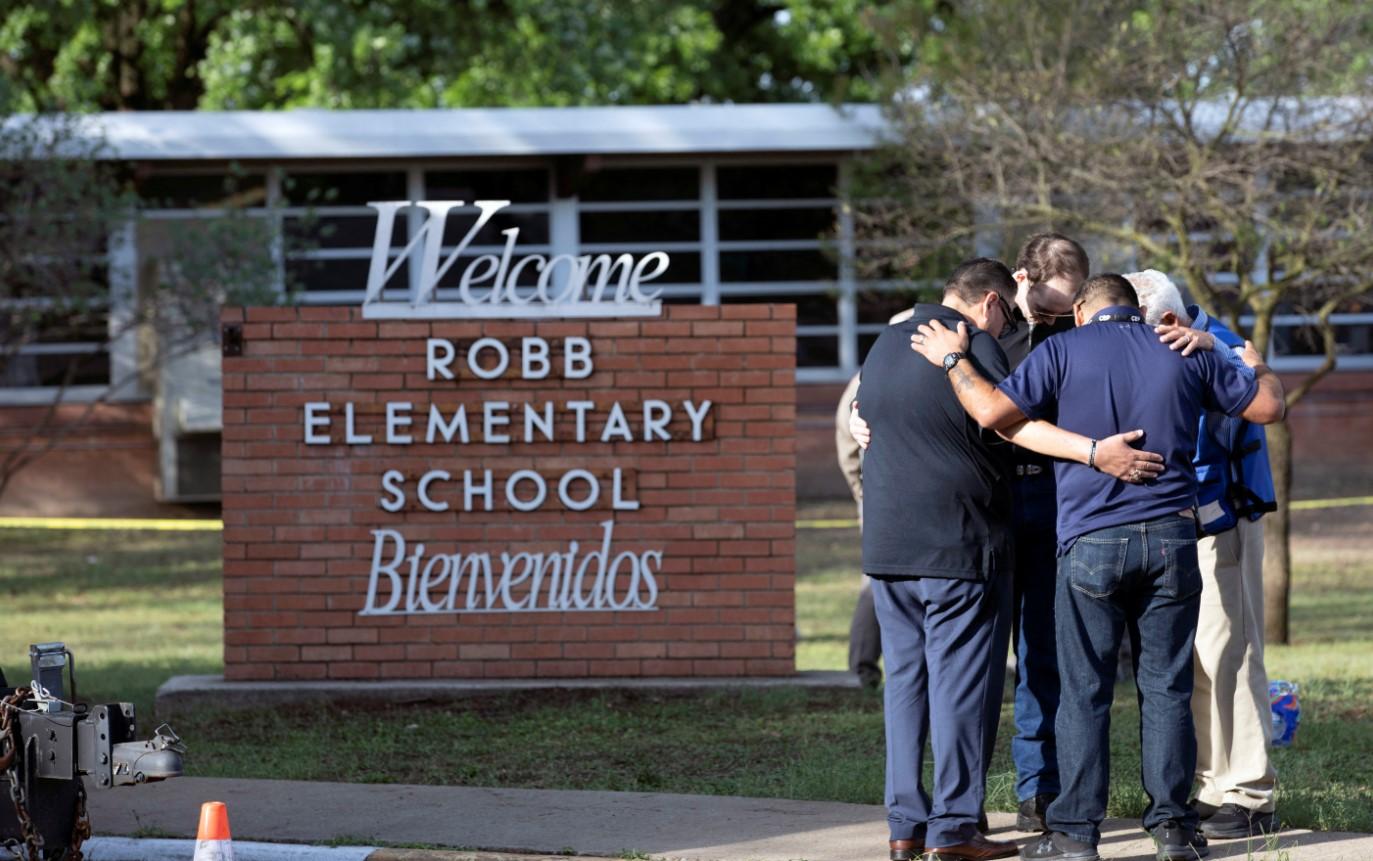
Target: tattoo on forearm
x,y
962,381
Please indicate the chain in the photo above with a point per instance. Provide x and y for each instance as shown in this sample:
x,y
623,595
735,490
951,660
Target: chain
x,y
9,758
81,826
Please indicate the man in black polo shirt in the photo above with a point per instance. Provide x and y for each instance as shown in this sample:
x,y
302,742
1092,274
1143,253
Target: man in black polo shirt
x,y
937,544
1127,553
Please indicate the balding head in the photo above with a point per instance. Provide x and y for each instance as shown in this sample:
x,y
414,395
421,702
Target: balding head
x,y
1103,291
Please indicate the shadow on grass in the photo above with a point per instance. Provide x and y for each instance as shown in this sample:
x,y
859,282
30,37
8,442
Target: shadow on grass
x,y
792,744
42,563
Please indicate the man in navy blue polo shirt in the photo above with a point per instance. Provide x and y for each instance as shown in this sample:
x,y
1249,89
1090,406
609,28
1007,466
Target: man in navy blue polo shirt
x,y
937,545
1127,552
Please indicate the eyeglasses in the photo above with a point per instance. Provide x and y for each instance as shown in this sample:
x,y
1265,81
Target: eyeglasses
x,y
1008,316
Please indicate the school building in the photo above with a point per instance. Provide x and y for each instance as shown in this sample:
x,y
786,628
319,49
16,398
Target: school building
x,y
748,200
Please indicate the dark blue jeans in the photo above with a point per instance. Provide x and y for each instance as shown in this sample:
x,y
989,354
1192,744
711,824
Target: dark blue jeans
x,y
1036,675
1140,579
945,654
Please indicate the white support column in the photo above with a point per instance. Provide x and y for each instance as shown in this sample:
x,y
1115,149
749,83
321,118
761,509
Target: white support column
x,y
848,282
564,232
122,260
710,236
414,220
277,222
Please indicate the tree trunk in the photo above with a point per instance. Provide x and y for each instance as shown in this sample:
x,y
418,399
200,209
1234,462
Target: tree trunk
x,y
1277,557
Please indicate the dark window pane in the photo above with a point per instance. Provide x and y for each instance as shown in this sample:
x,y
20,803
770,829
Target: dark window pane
x,y
758,182
694,298
72,281
776,223
90,325
197,464
816,351
202,190
27,370
675,226
777,266
315,275
641,183
684,267
516,186
339,231
533,227
342,189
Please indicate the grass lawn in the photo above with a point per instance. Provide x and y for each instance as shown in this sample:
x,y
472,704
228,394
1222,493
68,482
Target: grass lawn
x,y
137,607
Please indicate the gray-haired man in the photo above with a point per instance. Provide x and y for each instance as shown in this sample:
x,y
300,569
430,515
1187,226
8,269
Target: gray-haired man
x,y
1235,777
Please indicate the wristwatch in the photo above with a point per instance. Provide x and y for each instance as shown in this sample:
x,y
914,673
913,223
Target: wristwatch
x,y
953,359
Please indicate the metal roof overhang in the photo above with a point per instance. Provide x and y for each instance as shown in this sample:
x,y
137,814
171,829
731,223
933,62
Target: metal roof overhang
x,y
486,132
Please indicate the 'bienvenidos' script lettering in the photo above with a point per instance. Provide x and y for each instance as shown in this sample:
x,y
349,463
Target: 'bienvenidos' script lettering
x,y
407,581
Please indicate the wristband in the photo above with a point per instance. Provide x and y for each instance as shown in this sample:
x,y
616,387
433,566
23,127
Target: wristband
x,y
1091,455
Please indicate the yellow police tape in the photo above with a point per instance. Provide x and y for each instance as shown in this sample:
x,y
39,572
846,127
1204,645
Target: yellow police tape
x,y
1299,505
188,525
1309,504
111,523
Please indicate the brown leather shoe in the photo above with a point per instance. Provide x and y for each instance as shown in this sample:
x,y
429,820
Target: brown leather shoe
x,y
906,850
979,848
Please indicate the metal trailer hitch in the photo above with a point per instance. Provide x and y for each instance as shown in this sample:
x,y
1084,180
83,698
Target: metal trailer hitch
x,y
51,746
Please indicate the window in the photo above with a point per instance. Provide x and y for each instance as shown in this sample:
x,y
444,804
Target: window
x,y
329,229
779,240
68,349
55,340
636,210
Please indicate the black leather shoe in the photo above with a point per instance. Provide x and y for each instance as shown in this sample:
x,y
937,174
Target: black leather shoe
x,y
976,848
1231,820
1030,817
1175,842
1058,847
907,850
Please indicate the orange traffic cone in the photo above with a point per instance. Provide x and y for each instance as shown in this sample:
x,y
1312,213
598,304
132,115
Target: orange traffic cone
x,y
212,841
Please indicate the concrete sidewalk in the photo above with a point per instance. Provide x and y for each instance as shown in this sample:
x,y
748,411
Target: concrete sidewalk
x,y
709,828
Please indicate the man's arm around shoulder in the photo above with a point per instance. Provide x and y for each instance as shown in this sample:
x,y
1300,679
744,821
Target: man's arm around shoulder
x,y
1269,404
983,401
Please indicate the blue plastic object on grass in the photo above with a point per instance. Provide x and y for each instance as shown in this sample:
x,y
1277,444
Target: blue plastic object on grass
x,y
1286,706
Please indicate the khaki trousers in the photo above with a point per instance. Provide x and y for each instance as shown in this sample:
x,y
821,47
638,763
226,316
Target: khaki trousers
x,y
1230,699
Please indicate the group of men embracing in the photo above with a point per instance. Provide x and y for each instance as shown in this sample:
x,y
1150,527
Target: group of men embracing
x,y
1043,450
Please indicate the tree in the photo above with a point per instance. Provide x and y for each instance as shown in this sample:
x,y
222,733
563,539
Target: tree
x,y
66,212
1226,143
82,55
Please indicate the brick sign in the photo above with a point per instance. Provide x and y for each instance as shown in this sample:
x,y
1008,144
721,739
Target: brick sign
x,y
500,499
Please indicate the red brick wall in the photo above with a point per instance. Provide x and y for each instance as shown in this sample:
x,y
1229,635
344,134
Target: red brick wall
x,y
94,462
298,540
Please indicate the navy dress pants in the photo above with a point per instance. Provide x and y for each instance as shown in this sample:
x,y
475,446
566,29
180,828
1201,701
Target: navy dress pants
x,y
1036,650
943,642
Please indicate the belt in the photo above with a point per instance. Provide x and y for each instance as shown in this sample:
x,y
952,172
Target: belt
x,y
1024,470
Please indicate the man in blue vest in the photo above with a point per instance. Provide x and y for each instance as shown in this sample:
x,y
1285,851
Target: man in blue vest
x,y
1235,776
1127,552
